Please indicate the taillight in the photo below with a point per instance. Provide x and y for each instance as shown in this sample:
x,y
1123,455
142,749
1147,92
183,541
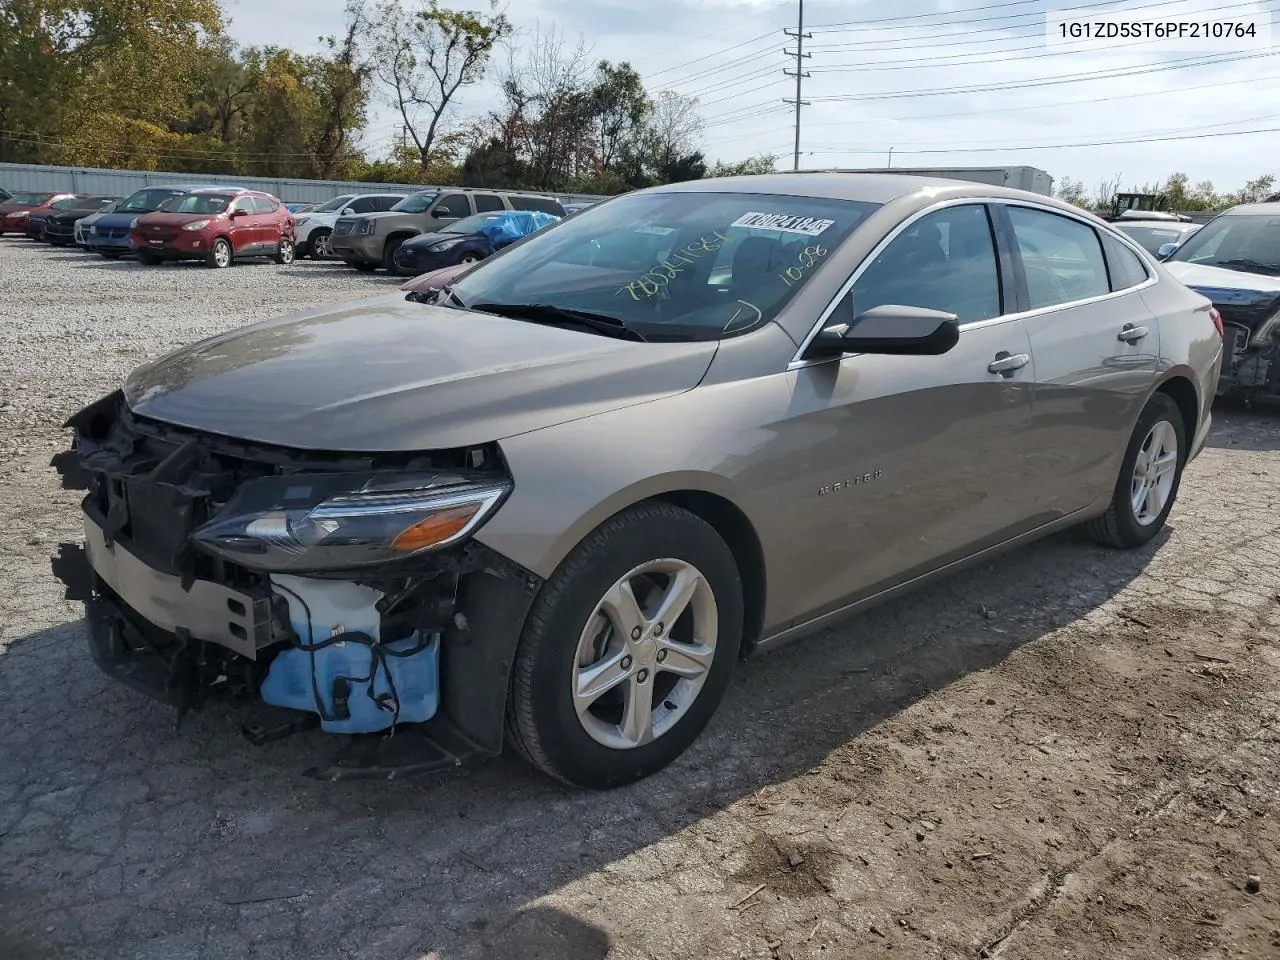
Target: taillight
x,y
1216,317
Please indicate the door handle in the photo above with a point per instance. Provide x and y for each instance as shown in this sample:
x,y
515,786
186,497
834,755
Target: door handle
x,y
1131,334
1006,363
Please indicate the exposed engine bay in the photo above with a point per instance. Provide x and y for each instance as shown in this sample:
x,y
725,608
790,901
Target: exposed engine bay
x,y
1251,363
336,591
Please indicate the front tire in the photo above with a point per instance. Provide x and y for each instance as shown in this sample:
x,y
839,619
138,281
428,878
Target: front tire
x,y
628,649
318,245
389,254
1150,475
220,254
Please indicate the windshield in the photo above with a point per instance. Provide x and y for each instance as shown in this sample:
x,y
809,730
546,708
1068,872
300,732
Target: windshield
x,y
66,203
471,224
197,203
415,203
144,201
685,266
337,203
32,199
1246,242
1152,239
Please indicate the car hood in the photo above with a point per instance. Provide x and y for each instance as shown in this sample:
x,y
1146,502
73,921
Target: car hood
x,y
424,240
15,207
386,374
165,219
1248,299
435,279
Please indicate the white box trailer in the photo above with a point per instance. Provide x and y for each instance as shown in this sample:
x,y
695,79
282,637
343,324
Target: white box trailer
x,y
1017,178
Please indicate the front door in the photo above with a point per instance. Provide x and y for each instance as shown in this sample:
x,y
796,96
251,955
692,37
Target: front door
x,y
1095,346
243,229
914,461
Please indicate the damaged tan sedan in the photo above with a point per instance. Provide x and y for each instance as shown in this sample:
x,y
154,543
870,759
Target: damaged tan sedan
x,y
553,507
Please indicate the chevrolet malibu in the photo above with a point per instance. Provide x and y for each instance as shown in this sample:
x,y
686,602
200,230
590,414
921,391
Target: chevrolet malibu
x,y
552,509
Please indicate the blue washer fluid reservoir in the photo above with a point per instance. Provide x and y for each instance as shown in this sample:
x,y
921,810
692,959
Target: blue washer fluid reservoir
x,y
402,675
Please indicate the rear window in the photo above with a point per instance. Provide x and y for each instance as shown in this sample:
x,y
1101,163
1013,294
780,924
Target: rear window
x,y
330,206
197,203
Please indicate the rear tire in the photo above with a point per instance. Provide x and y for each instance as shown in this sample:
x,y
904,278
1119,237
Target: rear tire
x,y
285,256
1150,475
641,713
220,254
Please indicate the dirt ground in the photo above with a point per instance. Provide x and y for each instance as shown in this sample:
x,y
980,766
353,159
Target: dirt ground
x,y
1071,752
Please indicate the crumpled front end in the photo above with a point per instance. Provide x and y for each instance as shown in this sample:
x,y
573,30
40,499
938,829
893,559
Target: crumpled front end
x,y
1250,353
334,591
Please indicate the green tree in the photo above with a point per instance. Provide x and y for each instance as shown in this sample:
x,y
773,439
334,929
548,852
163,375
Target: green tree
x,y
1073,192
752,166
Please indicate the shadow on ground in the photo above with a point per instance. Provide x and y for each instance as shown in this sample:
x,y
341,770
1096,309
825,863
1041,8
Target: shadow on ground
x,y
1238,427
119,832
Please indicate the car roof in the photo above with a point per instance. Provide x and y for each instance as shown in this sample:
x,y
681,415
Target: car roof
x,y
1256,209
1162,224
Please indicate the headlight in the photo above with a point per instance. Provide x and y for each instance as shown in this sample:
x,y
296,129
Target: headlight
x,y
300,220
1269,327
363,227
196,225
19,214
134,224
339,521
446,245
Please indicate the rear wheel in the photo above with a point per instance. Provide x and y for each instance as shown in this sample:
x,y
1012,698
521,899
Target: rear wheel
x,y
1150,475
285,255
220,254
319,248
628,649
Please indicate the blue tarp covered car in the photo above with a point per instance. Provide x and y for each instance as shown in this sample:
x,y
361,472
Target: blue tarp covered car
x,y
468,240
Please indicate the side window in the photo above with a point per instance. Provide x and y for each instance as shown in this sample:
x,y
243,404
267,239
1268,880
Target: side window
x,y
1062,257
451,205
263,205
382,204
540,204
488,202
243,203
362,205
1127,269
944,261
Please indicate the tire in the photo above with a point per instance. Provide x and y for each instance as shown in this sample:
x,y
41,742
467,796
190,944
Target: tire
x,y
147,259
364,267
597,751
285,255
1125,526
389,253
318,245
220,254
469,258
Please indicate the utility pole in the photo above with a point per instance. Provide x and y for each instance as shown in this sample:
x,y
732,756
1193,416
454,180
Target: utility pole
x,y
799,73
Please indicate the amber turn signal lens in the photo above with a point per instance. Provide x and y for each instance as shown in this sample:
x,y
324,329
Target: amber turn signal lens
x,y
435,528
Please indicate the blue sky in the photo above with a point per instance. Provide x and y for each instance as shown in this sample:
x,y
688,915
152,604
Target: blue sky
x,y
901,74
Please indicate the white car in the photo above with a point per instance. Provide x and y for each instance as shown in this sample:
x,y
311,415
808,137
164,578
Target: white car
x,y
84,223
314,227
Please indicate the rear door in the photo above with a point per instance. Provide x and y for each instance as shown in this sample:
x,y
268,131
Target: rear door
x,y
268,224
1095,345
448,208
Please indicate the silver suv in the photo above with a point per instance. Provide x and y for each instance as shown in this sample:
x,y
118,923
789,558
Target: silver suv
x,y
369,241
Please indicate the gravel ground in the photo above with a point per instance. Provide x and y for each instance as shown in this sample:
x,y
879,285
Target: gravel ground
x,y
1069,752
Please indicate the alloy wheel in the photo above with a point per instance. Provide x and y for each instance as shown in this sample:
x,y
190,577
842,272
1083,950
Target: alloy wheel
x,y
320,247
286,251
645,653
222,253
1154,472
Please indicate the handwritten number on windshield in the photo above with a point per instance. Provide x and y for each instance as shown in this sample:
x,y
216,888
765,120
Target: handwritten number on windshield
x,y
804,261
653,281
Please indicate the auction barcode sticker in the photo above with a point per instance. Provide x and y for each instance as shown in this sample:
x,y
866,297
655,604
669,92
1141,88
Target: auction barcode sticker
x,y
1207,32
783,223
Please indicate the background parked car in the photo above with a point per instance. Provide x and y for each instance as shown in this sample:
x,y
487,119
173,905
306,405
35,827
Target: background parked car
x,y
4,195
369,241
215,225
1154,234
109,236
15,210
426,288
84,224
316,225
58,227
469,240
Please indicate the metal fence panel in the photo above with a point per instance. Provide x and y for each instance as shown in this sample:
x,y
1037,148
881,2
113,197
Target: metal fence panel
x,y
29,176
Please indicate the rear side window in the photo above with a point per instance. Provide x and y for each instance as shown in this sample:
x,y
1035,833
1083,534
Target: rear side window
x,y
1062,258
263,205
943,261
452,205
540,204
362,205
381,204
487,202
1127,269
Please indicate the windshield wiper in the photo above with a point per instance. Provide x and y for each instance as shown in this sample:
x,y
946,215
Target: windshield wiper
x,y
1246,264
550,314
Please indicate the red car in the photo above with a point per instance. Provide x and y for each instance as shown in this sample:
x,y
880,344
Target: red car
x,y
38,217
216,226
15,210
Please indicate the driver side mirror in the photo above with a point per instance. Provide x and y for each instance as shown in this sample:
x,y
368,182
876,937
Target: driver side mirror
x,y
239,213
1166,250
348,211
891,329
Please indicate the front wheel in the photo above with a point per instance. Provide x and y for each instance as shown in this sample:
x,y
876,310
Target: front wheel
x,y
628,649
284,256
319,248
220,254
1149,477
